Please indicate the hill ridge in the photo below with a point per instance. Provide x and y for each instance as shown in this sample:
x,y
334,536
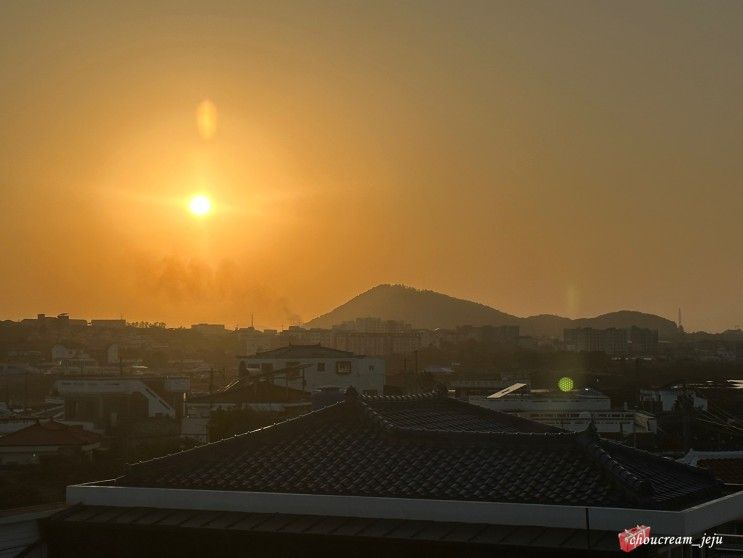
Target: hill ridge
x,y
428,309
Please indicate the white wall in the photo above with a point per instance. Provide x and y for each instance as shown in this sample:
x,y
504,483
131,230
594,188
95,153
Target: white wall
x,y
367,373
527,403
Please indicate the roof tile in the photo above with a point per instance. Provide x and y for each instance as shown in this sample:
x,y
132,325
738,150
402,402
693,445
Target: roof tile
x,y
430,447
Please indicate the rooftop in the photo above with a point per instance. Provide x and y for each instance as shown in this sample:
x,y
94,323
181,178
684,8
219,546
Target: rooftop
x,y
430,446
49,433
726,465
249,391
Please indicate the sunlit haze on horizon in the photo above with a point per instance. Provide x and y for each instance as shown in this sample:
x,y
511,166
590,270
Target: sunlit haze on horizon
x,y
185,162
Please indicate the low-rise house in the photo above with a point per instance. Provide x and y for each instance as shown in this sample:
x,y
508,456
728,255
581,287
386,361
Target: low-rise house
x,y
108,401
245,393
260,395
47,439
320,366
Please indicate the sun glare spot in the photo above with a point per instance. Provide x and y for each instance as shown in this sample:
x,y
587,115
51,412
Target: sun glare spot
x,y
200,205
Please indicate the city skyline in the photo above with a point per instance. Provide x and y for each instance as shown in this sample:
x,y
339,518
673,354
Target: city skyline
x,y
406,307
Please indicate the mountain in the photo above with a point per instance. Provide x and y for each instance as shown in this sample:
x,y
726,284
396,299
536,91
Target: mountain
x,y
431,310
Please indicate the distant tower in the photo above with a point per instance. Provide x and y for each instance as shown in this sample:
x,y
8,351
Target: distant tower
x,y
680,325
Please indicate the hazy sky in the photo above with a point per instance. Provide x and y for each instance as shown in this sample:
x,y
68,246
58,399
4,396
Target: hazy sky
x,y
540,157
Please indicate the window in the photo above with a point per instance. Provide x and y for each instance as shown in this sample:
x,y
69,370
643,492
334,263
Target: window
x,y
343,367
371,368
266,367
321,367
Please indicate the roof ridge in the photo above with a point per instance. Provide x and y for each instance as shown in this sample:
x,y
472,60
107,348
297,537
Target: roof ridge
x,y
513,419
423,396
439,392
637,489
376,418
680,465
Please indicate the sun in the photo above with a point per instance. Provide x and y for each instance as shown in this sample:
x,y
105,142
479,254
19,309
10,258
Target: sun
x,y
200,205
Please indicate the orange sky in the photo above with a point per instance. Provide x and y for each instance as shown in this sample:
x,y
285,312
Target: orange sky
x,y
540,157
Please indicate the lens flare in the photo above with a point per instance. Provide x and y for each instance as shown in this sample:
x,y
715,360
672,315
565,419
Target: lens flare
x,y
206,119
566,384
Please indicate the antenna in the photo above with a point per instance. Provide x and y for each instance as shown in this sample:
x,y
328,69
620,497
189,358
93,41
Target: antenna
x,y
251,319
680,324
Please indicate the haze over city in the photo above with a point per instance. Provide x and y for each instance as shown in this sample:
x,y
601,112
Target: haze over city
x,y
184,164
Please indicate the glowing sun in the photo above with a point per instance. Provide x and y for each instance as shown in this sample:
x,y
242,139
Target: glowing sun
x,y
200,205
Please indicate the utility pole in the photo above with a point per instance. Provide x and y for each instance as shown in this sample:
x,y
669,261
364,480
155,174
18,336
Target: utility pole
x,y
686,403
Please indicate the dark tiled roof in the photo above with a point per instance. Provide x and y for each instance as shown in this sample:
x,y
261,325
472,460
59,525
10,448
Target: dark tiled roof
x,y
729,469
247,391
50,433
303,351
430,446
445,414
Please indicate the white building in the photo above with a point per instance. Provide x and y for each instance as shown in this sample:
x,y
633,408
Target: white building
x,y
616,422
322,366
519,397
573,410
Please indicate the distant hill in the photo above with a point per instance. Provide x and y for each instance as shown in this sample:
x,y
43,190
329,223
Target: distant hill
x,y
431,310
